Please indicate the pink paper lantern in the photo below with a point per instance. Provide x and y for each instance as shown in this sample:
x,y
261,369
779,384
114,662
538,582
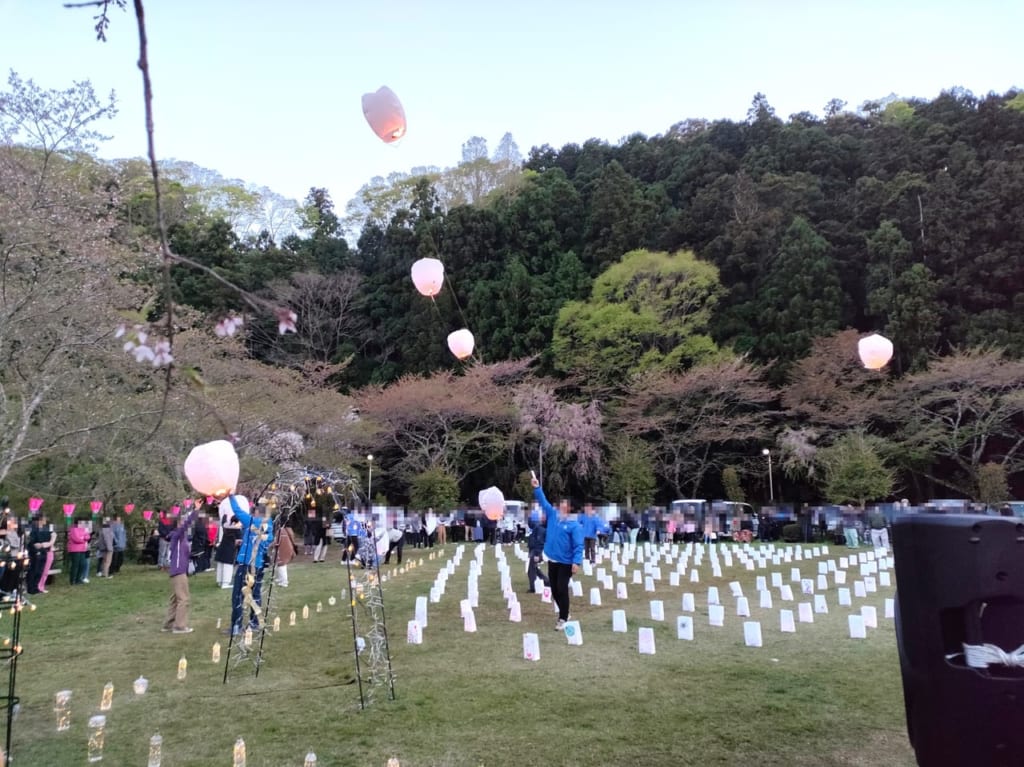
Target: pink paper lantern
x,y
175,510
212,468
129,508
384,113
95,506
428,276
147,514
34,504
492,503
875,351
69,509
460,343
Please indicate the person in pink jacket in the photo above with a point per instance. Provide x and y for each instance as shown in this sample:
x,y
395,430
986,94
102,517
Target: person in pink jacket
x,y
78,548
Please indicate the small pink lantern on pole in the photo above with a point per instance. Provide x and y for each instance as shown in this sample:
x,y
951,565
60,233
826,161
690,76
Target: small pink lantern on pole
x,y
129,508
492,503
460,343
95,507
212,468
875,351
428,276
147,514
34,504
384,113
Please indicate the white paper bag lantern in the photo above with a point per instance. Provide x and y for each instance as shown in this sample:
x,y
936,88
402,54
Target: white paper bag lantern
x,y
212,468
385,114
875,351
428,276
460,343
492,503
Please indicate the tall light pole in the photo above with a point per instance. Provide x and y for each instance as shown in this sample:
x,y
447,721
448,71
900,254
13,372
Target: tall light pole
x,y
369,484
771,484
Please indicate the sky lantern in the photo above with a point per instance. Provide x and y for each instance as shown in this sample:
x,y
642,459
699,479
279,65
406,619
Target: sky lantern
x,y
384,112
492,503
461,343
875,351
428,276
212,468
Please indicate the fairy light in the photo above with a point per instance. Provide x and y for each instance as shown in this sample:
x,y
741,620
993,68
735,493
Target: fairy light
x,y
215,655
291,618
277,623
155,746
62,708
97,725
238,759
108,697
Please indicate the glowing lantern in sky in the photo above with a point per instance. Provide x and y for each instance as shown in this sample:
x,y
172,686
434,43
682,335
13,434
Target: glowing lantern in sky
x,y
461,343
212,468
875,351
492,503
428,276
384,112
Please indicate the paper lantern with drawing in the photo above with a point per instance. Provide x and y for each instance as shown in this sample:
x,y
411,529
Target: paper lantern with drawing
x,y
428,276
492,503
384,113
212,468
875,351
460,343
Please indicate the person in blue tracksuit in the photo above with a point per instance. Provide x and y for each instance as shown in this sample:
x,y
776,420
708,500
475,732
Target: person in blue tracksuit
x,y
251,558
563,547
590,523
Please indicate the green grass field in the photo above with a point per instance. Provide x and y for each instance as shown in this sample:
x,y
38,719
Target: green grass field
x,y
814,697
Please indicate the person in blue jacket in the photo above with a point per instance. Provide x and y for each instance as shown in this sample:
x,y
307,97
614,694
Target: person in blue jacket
x,y
535,546
590,524
251,558
563,547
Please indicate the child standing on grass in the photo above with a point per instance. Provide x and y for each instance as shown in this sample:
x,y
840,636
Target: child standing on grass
x,y
78,549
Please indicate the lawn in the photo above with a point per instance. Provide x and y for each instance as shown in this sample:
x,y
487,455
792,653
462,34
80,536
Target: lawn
x,y
813,697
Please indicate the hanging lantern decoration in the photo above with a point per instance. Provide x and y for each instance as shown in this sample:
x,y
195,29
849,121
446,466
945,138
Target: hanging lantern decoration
x,y
875,351
212,468
428,276
147,514
95,507
69,509
460,343
384,113
492,503
175,510
129,508
34,504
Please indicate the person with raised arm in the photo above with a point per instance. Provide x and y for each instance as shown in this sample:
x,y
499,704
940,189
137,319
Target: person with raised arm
x,y
563,546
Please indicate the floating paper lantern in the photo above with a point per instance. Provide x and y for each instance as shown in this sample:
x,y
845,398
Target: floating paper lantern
x,y
385,114
428,276
460,343
875,351
492,503
212,468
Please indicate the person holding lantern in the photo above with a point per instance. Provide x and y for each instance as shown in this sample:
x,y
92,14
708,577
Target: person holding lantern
x,y
250,560
180,556
563,546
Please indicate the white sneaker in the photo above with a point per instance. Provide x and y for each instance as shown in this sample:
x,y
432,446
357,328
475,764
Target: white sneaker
x,y
560,626
85,580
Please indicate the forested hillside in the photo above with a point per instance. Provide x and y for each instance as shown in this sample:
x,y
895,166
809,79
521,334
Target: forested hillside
x,y
649,315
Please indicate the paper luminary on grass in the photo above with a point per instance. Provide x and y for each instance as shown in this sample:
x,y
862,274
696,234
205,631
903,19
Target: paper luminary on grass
x,y
492,503
460,343
428,276
34,504
212,468
384,113
874,351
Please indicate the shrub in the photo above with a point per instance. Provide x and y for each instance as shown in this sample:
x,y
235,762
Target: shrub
x,y
792,533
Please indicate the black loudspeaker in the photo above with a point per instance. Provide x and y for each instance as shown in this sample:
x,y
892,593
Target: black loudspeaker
x,y
960,581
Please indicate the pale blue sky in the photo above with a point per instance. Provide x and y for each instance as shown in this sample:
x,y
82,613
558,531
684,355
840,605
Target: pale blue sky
x,y
270,92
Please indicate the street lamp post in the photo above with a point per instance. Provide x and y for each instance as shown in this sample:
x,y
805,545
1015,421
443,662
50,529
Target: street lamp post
x,y
771,484
369,484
